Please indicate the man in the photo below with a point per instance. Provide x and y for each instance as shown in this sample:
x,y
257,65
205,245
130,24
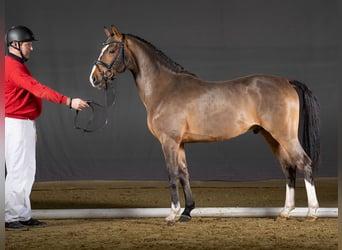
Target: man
x,y
23,104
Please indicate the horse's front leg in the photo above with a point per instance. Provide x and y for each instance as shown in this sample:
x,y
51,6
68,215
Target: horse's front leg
x,y
170,149
185,181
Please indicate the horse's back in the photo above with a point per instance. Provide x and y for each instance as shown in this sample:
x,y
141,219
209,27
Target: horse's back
x,y
253,84
261,82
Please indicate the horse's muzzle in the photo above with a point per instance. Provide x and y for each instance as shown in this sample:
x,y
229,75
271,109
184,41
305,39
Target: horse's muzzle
x,y
98,80
100,84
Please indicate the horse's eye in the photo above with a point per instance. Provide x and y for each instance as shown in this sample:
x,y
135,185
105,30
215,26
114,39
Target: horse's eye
x,y
111,51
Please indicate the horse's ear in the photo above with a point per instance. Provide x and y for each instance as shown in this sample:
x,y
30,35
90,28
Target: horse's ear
x,y
117,34
107,31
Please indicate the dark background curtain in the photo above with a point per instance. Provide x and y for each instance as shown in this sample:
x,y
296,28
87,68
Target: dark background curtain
x,y
216,40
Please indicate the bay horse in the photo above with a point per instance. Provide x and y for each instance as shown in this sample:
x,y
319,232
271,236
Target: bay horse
x,y
182,108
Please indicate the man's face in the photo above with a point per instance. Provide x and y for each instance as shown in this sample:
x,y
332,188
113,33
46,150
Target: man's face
x,y
26,48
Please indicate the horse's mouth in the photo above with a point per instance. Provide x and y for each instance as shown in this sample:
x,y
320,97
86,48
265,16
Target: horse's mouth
x,y
101,85
99,82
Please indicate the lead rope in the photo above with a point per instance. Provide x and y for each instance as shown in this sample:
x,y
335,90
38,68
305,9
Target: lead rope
x,y
98,114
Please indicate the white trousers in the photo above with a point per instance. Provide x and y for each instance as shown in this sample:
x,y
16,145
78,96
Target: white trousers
x,y
20,157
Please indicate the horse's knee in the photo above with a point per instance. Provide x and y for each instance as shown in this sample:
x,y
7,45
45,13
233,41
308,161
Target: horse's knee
x,y
173,185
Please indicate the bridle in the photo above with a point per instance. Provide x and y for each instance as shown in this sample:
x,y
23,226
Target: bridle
x,y
109,74
99,113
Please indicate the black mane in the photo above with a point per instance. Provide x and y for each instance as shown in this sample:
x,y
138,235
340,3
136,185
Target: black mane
x,y
164,59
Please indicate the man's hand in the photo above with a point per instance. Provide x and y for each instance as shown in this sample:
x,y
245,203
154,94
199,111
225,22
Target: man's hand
x,y
78,104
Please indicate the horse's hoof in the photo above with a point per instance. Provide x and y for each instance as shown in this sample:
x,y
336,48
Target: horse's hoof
x,y
184,218
311,218
282,218
171,223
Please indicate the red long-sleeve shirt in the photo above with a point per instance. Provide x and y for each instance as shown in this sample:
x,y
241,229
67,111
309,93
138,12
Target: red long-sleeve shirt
x,y
23,93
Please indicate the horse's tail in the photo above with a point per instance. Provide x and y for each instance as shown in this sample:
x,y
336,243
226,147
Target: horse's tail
x,y
309,123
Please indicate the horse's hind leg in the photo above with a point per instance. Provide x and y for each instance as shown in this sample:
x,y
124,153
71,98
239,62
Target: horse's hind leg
x,y
292,156
289,171
311,193
298,158
184,180
290,174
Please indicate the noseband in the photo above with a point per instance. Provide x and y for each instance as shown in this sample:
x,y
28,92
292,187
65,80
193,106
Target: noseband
x,y
108,74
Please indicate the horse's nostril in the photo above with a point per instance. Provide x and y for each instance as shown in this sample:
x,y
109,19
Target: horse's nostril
x,y
94,78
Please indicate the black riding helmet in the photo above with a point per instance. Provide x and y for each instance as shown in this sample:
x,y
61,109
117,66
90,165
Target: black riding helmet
x,y
20,34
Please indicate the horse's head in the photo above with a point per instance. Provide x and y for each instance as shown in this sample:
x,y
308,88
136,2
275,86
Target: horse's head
x,y
111,61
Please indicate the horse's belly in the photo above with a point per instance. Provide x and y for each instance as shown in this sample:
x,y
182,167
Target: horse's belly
x,y
217,128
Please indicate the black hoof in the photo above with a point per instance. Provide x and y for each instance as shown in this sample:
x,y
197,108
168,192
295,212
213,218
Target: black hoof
x,y
184,218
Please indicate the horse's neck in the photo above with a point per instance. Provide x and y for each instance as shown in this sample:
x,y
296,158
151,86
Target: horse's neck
x,y
148,73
